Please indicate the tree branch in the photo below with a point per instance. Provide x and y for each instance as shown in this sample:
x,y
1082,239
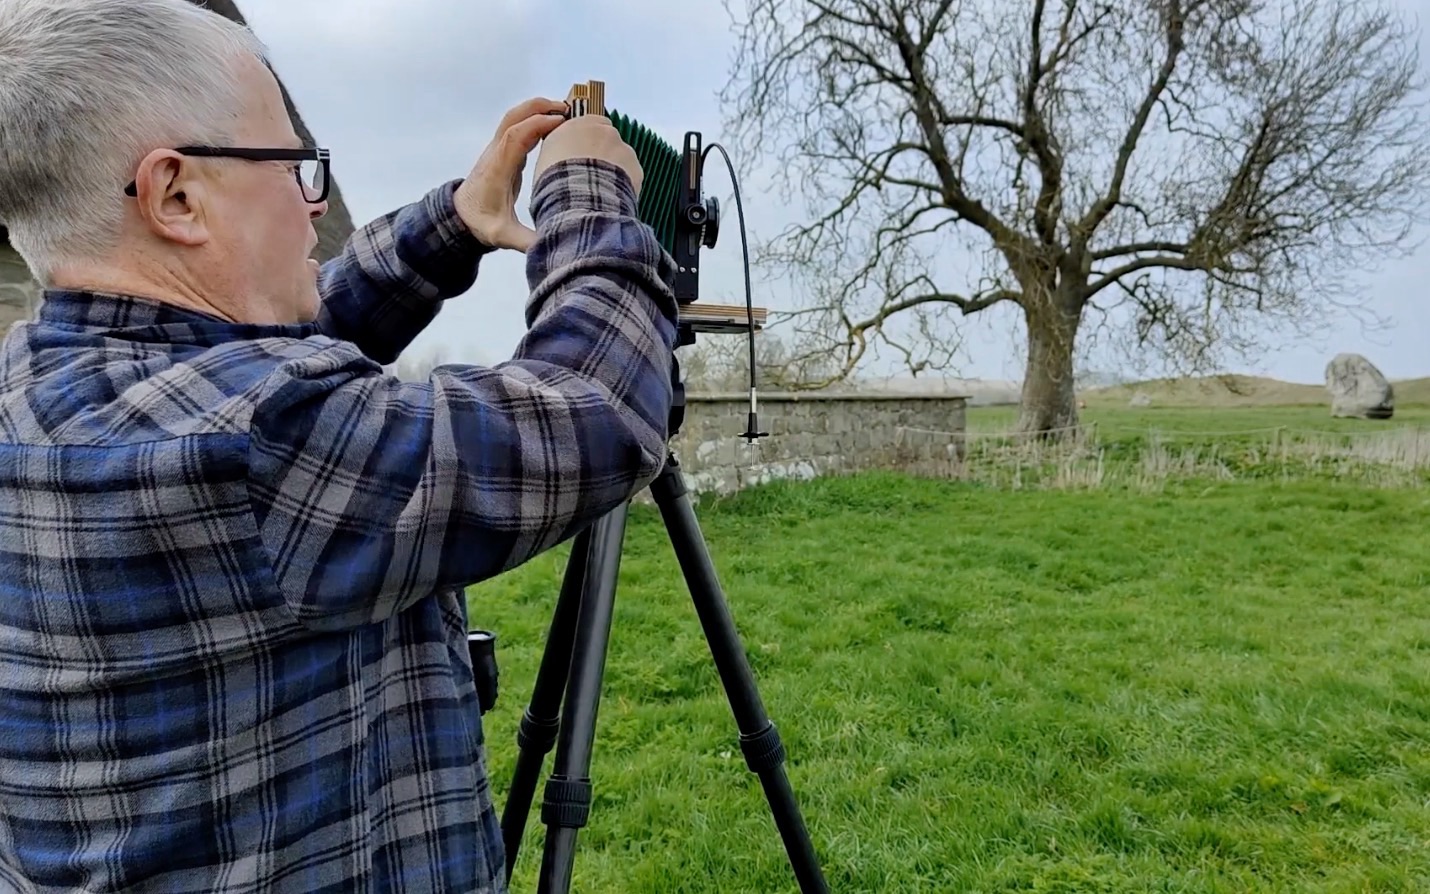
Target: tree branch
x,y
1138,248
1035,130
966,305
1175,22
1011,127
954,195
1167,262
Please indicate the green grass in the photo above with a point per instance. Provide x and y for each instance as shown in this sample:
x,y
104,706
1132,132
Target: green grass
x,y
1145,448
1114,420
1218,687
1242,390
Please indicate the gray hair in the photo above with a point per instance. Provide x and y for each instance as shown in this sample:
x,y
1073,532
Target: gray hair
x,y
87,89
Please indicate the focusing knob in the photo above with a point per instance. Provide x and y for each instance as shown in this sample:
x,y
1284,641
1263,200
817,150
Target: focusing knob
x,y
712,226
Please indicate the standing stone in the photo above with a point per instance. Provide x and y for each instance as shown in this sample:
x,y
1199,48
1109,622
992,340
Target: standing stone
x,y
1358,390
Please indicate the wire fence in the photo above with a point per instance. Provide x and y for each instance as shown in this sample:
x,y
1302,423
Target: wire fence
x,y
1087,456
1148,458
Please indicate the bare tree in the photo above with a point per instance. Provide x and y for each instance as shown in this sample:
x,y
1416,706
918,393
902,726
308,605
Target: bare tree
x,y
722,364
1190,173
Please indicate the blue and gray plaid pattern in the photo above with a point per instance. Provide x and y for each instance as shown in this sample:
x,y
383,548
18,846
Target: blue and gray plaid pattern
x,y
232,635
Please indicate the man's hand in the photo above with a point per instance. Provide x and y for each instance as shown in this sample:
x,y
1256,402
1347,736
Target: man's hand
x,y
590,136
486,200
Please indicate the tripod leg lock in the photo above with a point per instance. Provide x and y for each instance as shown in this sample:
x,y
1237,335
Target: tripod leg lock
x,y
536,734
763,750
567,802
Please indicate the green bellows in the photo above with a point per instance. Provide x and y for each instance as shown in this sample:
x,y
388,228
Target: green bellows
x,y
660,164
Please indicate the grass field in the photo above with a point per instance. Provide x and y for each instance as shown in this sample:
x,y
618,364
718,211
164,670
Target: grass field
x,y
1147,447
1113,419
1243,391
1218,686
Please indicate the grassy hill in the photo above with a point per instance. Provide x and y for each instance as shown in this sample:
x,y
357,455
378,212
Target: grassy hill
x,y
1239,391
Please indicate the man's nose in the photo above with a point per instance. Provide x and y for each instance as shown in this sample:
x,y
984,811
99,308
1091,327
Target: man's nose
x,y
318,210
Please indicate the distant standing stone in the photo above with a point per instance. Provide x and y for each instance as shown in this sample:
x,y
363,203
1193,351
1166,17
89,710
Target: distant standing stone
x,y
1357,388
1140,399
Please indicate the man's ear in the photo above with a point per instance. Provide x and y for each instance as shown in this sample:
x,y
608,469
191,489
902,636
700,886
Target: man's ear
x,y
172,198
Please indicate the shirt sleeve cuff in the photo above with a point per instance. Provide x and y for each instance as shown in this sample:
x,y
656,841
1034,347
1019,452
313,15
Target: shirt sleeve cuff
x,y
583,184
452,235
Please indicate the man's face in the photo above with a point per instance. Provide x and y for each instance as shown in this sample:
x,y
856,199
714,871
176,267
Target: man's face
x,y
263,218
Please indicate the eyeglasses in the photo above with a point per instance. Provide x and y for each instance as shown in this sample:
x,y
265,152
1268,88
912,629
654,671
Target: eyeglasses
x,y
311,170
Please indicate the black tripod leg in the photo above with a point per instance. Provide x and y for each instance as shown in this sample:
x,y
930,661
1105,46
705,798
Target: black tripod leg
x,y
764,752
567,799
537,733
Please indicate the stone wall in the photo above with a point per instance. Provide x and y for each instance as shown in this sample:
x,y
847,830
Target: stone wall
x,y
813,434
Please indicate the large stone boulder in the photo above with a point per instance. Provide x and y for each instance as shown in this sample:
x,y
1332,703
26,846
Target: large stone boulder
x,y
1358,390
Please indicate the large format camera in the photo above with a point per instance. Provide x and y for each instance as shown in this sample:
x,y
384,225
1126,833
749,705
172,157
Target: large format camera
x,y
562,711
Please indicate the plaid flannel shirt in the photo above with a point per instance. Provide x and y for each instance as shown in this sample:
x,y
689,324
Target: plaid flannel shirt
x,y
232,633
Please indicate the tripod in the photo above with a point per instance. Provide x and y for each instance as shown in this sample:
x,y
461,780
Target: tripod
x,y
574,661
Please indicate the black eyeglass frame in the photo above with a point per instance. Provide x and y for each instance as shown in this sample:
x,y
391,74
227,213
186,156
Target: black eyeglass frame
x,y
321,156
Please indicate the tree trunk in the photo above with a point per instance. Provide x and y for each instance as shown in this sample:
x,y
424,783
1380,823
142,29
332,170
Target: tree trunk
x,y
1049,402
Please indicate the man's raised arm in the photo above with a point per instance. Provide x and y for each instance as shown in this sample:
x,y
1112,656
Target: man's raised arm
x,y
369,493
393,274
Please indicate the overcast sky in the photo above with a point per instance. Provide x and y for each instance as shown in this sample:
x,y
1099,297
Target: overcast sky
x,y
408,92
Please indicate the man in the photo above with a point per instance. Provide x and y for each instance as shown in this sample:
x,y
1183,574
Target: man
x,y
231,654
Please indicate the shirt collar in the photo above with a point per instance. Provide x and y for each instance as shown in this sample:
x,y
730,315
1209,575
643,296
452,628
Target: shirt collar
x,y
148,319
